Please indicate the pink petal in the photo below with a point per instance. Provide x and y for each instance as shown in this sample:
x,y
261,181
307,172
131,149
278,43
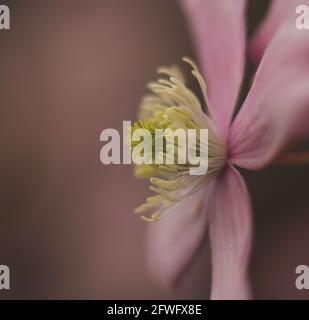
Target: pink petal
x,y
230,235
276,111
219,29
173,241
277,14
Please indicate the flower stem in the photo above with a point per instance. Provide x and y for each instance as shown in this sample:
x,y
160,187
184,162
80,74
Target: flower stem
x,y
297,158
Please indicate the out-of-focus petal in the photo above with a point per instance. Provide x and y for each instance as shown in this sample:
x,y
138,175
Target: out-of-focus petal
x,y
173,241
278,13
219,30
276,111
230,236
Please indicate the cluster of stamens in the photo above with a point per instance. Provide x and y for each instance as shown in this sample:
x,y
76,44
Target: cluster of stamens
x,y
171,106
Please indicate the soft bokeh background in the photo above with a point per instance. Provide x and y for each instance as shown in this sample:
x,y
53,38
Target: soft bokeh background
x,y
69,69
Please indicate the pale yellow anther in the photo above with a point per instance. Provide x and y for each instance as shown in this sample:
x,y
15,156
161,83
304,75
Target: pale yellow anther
x,y
169,106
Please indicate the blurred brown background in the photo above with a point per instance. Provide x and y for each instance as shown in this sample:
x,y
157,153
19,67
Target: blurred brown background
x,y
69,69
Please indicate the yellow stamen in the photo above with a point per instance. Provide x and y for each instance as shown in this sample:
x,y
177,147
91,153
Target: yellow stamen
x,y
171,105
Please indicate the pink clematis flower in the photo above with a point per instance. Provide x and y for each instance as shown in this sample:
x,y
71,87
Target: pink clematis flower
x,y
274,115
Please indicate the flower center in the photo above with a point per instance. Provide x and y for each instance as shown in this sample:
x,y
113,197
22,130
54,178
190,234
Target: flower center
x,y
171,106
